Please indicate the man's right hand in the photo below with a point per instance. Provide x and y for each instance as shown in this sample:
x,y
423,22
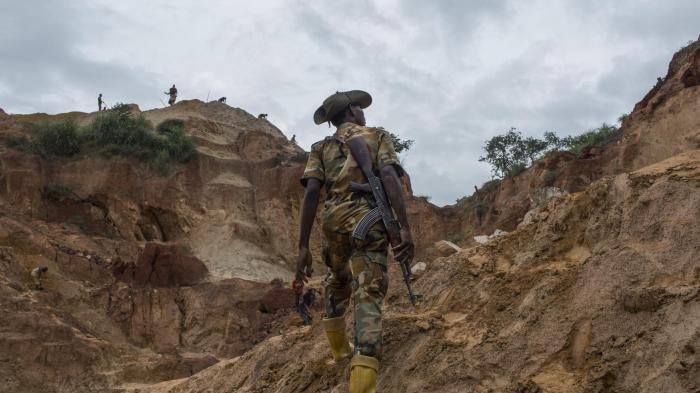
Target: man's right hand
x,y
304,267
404,252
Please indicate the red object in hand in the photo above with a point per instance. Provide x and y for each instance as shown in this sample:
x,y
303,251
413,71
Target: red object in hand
x,y
297,286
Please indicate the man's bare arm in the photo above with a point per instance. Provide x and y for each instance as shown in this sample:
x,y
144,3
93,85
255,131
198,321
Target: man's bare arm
x,y
392,186
312,194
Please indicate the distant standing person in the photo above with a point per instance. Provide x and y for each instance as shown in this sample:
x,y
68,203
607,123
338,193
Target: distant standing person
x,y
99,102
37,273
173,95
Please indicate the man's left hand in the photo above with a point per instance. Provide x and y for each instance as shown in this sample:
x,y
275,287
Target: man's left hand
x,y
304,265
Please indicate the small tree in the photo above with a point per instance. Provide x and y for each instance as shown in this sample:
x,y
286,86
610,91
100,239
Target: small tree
x,y
533,148
505,153
400,145
510,154
554,142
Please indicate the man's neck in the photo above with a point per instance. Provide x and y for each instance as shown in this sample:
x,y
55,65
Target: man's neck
x,y
351,122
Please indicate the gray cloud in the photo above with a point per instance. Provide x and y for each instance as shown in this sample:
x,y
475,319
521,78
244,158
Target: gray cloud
x,y
42,67
449,74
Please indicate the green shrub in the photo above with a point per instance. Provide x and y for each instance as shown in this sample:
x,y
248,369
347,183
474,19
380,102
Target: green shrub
x,y
57,139
510,154
118,126
598,136
400,145
179,146
170,125
115,132
517,168
20,143
118,132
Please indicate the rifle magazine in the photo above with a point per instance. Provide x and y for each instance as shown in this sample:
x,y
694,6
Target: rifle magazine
x,y
362,227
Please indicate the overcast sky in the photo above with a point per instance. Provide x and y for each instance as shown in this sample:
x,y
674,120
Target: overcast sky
x,y
449,74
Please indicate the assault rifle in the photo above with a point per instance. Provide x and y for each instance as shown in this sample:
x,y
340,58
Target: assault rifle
x,y
303,301
360,152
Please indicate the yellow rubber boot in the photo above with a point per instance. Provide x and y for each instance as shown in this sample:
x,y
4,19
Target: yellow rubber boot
x,y
335,331
363,374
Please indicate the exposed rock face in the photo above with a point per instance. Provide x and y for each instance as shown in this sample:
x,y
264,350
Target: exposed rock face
x,y
597,292
601,292
664,123
141,267
277,298
445,248
153,279
161,265
230,205
149,269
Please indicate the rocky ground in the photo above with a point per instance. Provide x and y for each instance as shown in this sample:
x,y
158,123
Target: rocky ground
x,y
600,292
151,277
178,283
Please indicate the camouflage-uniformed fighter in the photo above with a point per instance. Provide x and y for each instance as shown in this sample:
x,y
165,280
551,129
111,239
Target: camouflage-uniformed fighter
x,y
356,269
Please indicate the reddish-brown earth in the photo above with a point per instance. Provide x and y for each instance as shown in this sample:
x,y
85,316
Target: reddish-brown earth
x,y
150,277
178,283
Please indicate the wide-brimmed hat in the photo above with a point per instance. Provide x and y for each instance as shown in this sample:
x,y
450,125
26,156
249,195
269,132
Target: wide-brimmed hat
x,y
338,102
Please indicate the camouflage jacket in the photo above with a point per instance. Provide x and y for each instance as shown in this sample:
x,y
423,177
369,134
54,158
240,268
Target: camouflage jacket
x,y
331,163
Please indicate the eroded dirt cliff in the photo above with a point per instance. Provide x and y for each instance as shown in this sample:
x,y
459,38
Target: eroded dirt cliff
x,y
151,276
595,291
599,293
664,123
165,283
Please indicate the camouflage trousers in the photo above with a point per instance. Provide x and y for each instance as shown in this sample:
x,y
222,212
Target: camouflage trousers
x,y
357,269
